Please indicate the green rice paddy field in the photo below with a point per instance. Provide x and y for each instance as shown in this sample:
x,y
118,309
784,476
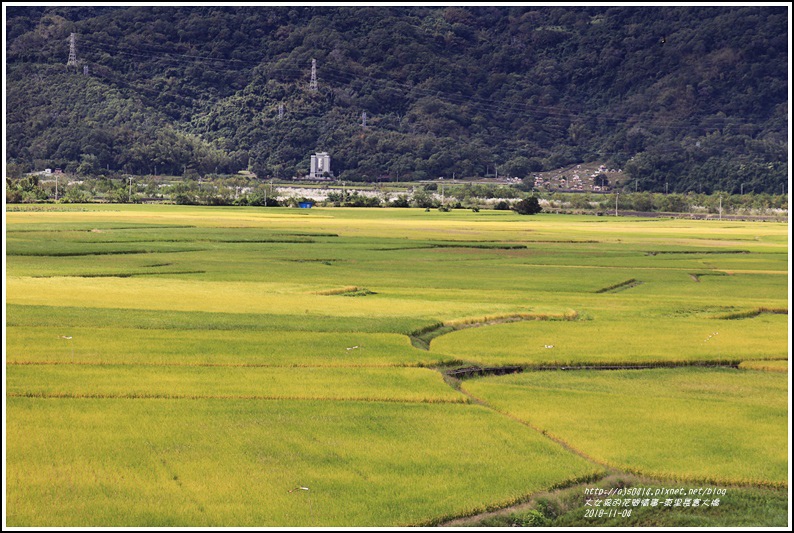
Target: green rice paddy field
x,y
196,366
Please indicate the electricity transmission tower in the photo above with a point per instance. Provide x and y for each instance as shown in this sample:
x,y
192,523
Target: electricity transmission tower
x,y
280,111
313,82
364,119
72,62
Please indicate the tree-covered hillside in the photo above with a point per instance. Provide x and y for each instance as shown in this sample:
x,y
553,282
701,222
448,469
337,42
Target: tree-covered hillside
x,y
692,97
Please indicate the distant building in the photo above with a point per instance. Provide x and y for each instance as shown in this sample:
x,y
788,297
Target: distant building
x,y
321,165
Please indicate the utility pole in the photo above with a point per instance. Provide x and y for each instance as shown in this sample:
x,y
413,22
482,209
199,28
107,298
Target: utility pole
x,y
129,200
56,187
313,82
72,62
617,195
442,191
720,207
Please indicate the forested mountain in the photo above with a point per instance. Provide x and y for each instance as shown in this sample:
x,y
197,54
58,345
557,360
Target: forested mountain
x,y
695,97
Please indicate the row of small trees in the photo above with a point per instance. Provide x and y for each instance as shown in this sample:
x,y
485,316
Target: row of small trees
x,y
672,203
240,190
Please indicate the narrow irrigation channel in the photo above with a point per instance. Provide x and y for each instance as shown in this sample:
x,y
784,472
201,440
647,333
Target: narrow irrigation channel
x,y
476,371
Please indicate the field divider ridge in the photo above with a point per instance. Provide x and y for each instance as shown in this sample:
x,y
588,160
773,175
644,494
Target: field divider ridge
x,y
144,396
420,338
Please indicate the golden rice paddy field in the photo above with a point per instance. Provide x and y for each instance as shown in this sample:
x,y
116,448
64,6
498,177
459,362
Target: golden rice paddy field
x,y
186,366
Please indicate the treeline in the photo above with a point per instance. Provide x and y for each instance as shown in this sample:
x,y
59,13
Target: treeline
x,y
684,99
242,191
647,202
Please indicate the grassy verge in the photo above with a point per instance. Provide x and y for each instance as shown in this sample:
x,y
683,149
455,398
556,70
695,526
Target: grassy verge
x,y
569,507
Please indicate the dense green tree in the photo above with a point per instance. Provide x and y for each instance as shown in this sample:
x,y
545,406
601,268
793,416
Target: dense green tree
x,y
447,91
528,206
